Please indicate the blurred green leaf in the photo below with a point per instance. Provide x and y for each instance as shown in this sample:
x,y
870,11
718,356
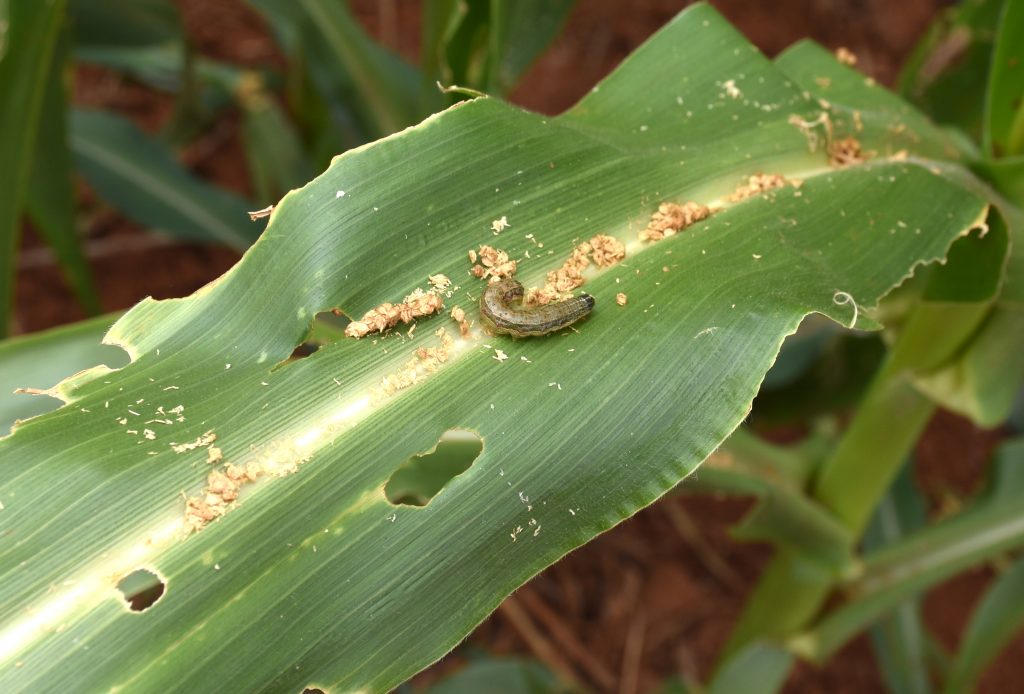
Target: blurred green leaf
x,y
384,82
326,128
1004,99
1007,175
832,383
32,33
900,640
982,383
499,676
783,515
42,360
945,75
760,667
50,198
520,33
997,619
435,18
465,44
107,24
277,160
146,40
993,525
362,81
488,44
982,380
800,351
140,177
957,297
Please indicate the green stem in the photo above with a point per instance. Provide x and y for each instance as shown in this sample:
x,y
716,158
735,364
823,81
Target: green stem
x,y
888,423
791,590
851,483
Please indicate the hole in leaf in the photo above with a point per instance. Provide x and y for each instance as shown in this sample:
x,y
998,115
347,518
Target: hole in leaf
x,y
424,475
141,588
313,690
303,351
326,328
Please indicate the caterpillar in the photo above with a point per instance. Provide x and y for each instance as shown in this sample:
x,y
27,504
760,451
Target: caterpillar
x,y
502,312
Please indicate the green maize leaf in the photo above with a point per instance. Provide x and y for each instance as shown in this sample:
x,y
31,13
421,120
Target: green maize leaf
x,y
138,175
32,33
41,360
995,621
858,107
962,337
50,198
313,578
892,412
1003,134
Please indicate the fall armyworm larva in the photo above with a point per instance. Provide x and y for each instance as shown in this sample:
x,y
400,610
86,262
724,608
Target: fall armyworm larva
x,y
502,311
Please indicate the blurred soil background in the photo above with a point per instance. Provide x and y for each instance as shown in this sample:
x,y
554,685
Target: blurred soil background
x,y
657,596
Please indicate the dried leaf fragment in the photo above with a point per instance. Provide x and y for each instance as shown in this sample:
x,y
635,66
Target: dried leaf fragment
x,y
259,214
459,316
761,183
204,440
603,249
427,359
845,56
606,250
495,263
439,282
499,225
671,218
845,152
385,316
